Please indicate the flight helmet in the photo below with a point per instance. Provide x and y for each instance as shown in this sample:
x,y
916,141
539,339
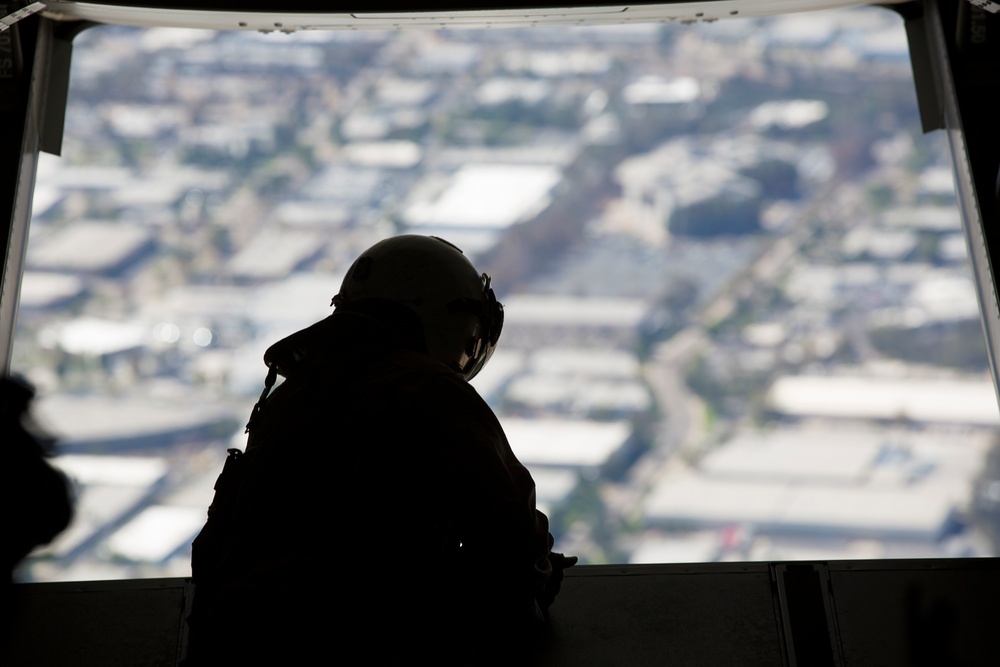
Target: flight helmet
x,y
459,314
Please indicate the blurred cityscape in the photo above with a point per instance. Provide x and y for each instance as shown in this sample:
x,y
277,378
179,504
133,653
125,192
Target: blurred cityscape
x,y
740,319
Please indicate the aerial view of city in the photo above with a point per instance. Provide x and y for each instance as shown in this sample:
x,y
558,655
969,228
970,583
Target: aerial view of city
x,y
739,317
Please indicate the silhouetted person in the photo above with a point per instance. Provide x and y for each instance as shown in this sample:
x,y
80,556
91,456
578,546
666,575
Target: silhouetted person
x,y
36,502
378,514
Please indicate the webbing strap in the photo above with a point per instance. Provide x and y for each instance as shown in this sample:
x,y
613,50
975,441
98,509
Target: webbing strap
x,y
272,377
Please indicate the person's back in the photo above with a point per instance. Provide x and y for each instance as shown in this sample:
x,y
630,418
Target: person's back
x,y
378,501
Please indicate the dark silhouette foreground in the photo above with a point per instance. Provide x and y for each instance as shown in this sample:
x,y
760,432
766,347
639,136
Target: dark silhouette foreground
x,y
36,501
378,513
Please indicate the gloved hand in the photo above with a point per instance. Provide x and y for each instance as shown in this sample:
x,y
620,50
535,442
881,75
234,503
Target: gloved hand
x,y
559,563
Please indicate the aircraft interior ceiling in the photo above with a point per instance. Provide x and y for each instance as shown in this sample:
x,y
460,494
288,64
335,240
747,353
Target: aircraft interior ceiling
x,y
393,14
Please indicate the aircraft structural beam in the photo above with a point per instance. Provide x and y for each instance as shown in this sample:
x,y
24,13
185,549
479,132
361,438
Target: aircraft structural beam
x,y
954,47
34,82
23,77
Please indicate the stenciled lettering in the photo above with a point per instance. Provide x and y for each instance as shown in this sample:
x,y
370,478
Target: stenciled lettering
x,y
977,26
6,55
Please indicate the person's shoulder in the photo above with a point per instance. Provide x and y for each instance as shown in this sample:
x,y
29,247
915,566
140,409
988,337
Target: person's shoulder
x,y
433,379
412,362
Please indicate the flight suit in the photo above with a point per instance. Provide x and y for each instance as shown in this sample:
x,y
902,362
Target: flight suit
x,y
379,502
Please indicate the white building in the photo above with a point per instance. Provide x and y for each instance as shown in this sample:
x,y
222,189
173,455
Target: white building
x,y
535,320
472,206
91,247
848,484
581,381
107,489
590,447
275,253
862,397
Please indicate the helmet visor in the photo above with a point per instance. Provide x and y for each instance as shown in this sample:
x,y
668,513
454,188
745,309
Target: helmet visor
x,y
489,312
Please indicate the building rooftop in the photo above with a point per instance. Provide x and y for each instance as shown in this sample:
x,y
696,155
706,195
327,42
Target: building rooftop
x,y
925,218
43,289
578,396
566,443
106,489
282,307
553,486
384,154
698,501
156,533
694,547
585,362
275,253
92,336
90,247
957,401
657,90
570,311
833,481
503,365
83,420
491,196
796,456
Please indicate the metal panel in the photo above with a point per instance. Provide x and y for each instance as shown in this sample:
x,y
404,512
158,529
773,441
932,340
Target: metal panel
x,y
698,614
912,613
138,622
